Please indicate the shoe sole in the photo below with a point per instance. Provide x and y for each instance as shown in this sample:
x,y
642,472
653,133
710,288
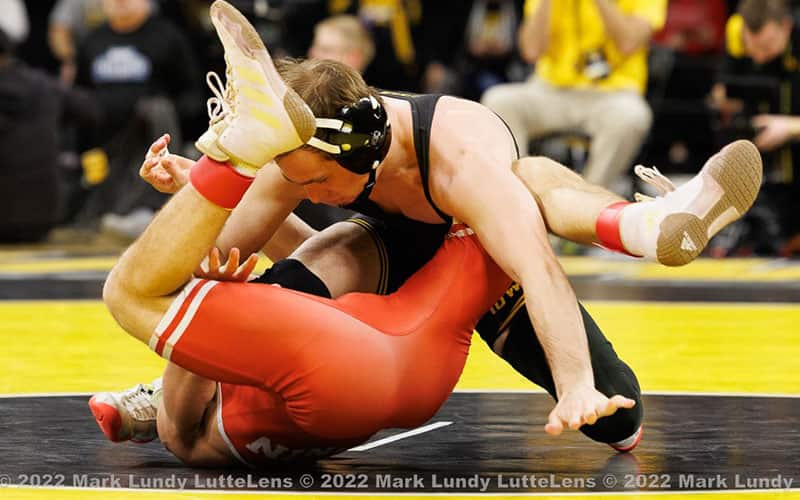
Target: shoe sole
x,y
249,41
737,171
107,418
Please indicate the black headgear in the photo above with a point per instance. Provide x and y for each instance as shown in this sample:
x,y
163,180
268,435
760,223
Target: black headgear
x,y
358,137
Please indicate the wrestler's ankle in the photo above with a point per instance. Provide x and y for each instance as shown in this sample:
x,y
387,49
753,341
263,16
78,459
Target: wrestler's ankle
x,y
615,228
223,184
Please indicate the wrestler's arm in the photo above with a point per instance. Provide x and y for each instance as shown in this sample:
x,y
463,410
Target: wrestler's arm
x,y
168,172
477,186
263,219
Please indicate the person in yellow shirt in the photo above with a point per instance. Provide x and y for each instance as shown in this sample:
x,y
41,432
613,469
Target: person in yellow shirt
x,y
591,72
762,41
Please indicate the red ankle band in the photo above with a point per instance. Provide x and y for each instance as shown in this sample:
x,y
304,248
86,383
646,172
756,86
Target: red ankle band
x,y
218,182
607,227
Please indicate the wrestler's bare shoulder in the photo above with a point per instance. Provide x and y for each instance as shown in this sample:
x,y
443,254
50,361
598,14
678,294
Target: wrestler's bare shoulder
x,y
466,129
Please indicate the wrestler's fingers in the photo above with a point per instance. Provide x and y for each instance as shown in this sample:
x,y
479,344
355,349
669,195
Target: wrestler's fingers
x,y
576,422
246,269
232,264
554,425
158,149
213,260
614,403
159,144
171,166
147,166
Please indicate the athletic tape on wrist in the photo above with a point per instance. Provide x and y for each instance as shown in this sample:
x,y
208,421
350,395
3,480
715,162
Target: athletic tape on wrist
x,y
218,182
607,227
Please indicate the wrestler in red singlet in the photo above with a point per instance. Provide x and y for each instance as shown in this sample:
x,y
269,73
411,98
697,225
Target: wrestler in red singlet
x,y
308,376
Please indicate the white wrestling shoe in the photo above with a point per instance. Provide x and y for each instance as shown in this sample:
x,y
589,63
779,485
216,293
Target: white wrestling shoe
x,y
129,415
675,227
256,116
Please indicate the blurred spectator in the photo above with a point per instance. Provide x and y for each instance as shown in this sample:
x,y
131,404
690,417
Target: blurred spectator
x,y
144,76
394,24
682,66
758,97
343,38
31,106
694,26
14,21
490,45
763,42
70,22
591,70
440,45
415,41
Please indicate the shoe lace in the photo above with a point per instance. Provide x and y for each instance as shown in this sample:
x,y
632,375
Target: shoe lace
x,y
652,176
139,403
220,106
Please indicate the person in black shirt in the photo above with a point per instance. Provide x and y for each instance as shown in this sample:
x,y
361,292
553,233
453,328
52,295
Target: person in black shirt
x,y
758,96
137,54
144,76
31,107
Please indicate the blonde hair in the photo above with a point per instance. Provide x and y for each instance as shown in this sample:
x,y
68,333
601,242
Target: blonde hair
x,y
354,33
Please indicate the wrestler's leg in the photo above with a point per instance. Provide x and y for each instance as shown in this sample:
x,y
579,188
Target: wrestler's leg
x,y
181,421
342,258
141,285
138,292
514,339
556,187
672,229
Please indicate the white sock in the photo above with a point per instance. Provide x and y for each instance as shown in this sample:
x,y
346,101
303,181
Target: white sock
x,y
638,227
639,224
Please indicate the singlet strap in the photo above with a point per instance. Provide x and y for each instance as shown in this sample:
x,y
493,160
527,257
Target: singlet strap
x,y
423,107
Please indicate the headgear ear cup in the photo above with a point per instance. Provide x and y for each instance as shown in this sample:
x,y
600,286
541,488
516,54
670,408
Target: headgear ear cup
x,y
358,137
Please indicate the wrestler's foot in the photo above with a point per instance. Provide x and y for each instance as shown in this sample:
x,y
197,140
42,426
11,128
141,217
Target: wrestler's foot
x,y
629,444
129,415
255,116
675,227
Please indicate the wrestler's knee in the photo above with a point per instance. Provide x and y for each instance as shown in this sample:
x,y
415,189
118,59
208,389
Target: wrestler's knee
x,y
625,422
136,314
118,298
617,427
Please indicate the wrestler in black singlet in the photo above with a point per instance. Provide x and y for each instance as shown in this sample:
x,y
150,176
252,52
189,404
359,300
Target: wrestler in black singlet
x,y
405,245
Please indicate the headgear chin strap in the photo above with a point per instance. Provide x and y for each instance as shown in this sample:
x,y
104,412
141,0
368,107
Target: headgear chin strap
x,y
358,137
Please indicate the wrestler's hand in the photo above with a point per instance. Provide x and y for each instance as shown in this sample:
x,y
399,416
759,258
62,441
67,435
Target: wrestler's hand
x,y
583,405
165,171
212,269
